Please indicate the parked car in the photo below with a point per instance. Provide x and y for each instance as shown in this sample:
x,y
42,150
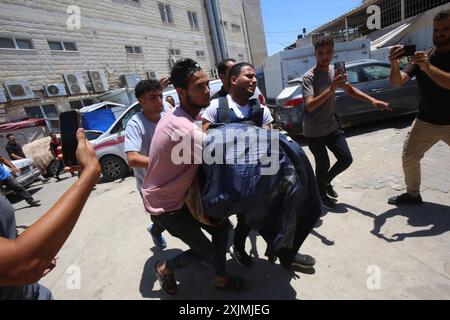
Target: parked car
x,y
369,76
109,146
29,173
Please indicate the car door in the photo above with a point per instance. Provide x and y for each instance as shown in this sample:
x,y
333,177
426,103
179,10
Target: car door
x,y
348,108
402,100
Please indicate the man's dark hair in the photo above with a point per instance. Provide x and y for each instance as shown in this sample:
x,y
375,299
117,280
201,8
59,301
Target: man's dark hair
x,y
442,15
323,42
222,65
181,72
145,86
235,71
9,135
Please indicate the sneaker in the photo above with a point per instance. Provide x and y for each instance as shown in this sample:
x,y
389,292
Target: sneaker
x,y
303,261
34,203
330,191
241,257
327,202
158,240
405,198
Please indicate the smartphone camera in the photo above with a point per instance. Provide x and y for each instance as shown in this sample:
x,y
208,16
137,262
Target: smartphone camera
x,y
69,122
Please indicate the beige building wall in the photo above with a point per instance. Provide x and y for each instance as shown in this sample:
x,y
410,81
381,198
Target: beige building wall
x,y
255,30
107,26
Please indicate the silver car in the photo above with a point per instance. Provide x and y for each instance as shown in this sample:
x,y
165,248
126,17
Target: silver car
x,y
369,76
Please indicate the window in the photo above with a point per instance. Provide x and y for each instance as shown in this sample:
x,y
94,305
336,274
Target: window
x,y
200,54
175,52
225,24
123,122
377,72
241,56
132,49
62,46
166,12
352,76
48,112
235,27
15,43
193,20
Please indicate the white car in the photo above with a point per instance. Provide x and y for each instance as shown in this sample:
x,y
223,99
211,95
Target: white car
x,y
109,147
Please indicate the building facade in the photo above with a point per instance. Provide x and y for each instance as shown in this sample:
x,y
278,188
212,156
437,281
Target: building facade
x,y
55,55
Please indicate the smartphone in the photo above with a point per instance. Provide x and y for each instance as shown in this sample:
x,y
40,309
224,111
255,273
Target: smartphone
x,y
410,50
339,68
69,122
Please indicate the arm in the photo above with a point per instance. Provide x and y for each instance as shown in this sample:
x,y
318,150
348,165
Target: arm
x,y
312,102
137,160
398,78
358,94
15,157
9,164
440,77
205,125
25,259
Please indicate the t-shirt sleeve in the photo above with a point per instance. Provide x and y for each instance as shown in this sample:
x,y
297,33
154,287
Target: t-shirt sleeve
x,y
267,117
210,113
307,86
133,137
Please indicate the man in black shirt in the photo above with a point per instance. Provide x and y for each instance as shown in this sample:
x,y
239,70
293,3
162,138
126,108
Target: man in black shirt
x,y
14,149
432,70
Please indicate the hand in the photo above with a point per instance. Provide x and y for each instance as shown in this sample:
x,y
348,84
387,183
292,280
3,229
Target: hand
x,y
383,106
338,81
86,157
165,82
395,54
422,60
16,171
50,267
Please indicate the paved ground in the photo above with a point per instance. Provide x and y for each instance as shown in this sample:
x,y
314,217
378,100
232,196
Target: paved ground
x,y
365,250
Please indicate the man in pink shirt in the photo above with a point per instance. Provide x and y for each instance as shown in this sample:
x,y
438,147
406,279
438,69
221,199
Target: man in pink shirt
x,y
176,152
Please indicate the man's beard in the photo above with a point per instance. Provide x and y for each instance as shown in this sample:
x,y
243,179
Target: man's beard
x,y
193,104
442,43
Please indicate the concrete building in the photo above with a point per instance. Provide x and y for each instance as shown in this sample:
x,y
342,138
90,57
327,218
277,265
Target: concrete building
x,y
57,55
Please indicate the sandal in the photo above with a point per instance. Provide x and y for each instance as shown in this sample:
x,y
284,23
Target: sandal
x,y
167,282
237,284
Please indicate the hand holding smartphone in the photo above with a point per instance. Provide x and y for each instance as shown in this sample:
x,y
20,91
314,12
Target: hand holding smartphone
x,y
339,68
408,50
69,121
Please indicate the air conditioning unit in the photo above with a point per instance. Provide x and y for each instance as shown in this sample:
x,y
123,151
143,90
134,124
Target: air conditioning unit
x,y
154,75
130,80
215,73
75,83
19,90
55,90
99,81
2,97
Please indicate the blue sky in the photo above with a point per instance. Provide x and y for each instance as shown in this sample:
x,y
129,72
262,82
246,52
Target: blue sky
x,y
285,19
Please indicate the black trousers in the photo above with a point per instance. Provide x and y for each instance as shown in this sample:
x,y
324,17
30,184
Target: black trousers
x,y
12,184
182,225
337,144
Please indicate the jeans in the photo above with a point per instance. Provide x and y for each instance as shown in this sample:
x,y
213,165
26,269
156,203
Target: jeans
x,y
182,225
337,144
12,184
420,139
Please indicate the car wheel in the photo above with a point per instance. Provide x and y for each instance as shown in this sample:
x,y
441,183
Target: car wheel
x,y
113,168
52,168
